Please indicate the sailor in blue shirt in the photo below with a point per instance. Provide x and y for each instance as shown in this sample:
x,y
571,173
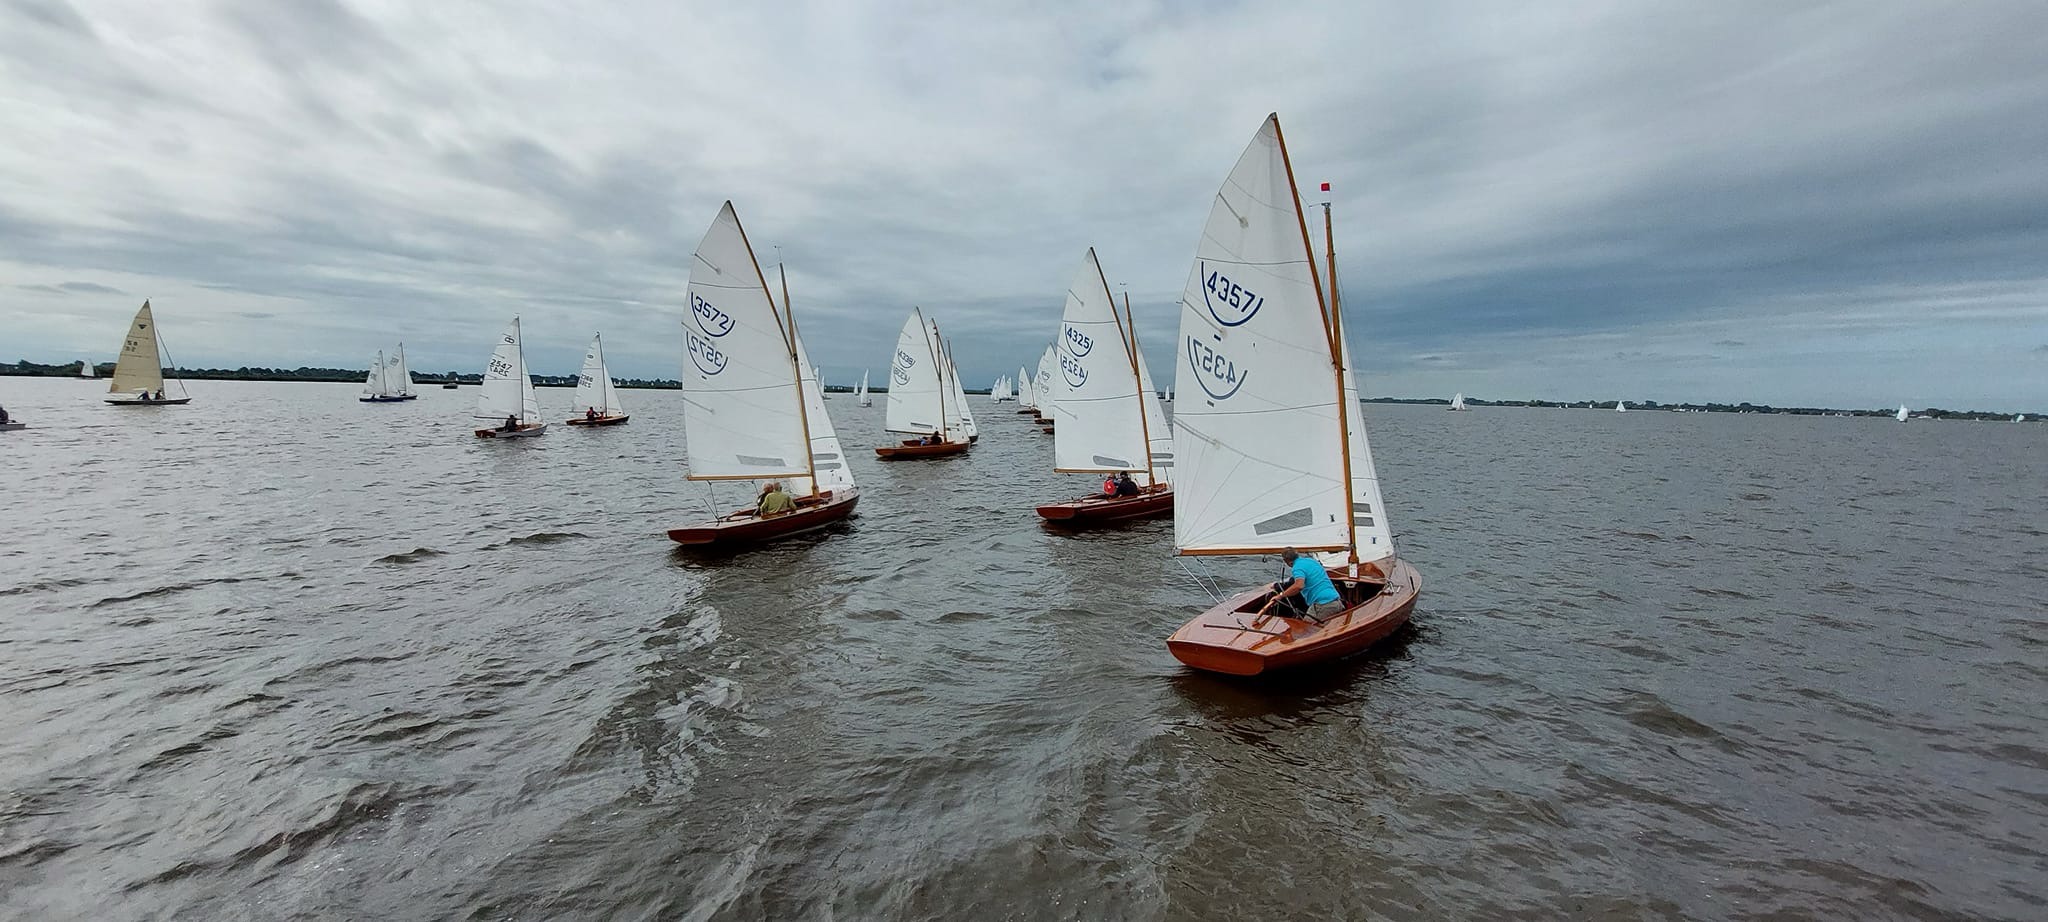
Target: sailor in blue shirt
x,y
1307,579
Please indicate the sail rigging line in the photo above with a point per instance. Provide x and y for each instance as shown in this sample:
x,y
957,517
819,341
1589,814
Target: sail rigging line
x,y
166,347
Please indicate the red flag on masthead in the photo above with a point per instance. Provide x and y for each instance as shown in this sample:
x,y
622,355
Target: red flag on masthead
x,y
1326,187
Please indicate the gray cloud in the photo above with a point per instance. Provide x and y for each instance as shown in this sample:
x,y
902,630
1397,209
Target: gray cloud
x,y
1527,206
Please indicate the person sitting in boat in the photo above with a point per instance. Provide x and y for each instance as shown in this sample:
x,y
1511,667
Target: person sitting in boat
x,y
1125,486
774,501
928,439
590,414
4,418
1308,582
144,396
159,393
511,423
1108,486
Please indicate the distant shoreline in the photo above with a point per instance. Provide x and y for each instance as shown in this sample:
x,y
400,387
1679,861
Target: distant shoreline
x,y
350,376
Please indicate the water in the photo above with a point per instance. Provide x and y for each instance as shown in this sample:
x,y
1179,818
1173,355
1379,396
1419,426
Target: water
x,y
278,655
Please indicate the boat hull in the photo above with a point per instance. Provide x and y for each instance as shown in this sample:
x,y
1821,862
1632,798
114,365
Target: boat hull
x,y
600,421
400,399
1095,510
522,432
12,427
1229,639
911,450
744,527
132,402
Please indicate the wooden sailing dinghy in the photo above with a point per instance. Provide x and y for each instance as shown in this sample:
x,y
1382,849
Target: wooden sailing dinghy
x,y
921,399
596,393
389,381
866,399
1027,396
1272,449
138,379
507,392
1106,411
752,407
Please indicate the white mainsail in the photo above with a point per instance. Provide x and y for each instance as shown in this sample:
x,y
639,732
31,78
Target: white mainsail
x,y
917,392
86,369
1260,464
507,387
1458,401
400,381
140,366
1041,383
1902,413
1095,398
866,399
1026,398
377,382
995,391
742,401
1620,407
594,386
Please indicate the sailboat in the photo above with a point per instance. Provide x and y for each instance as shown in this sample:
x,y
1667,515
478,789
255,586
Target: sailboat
x,y
2019,418
819,373
1902,413
1108,414
596,392
508,400
389,381
1027,396
1272,453
1041,387
139,373
996,393
866,399
921,399
1458,403
752,405
1620,407
87,371
959,414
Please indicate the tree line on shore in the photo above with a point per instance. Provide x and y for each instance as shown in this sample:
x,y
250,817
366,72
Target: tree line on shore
x,y
27,368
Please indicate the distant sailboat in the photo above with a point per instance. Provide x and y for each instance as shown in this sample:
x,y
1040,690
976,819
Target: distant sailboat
x,y
752,406
1902,413
818,373
389,381
507,399
596,392
1273,452
87,371
1620,407
2020,418
866,399
1109,417
1027,399
1458,403
962,415
139,372
921,396
1041,387
995,391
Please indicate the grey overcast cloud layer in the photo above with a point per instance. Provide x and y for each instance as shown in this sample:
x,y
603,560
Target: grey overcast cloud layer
x,y
1833,204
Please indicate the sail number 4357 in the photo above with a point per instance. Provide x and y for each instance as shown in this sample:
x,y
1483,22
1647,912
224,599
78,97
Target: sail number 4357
x,y
1221,290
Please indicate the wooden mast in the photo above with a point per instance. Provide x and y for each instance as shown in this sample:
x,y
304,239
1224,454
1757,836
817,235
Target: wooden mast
x,y
788,342
1343,371
796,360
1333,335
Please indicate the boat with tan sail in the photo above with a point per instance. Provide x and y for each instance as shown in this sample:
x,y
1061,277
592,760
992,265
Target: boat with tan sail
x,y
1271,444
138,378
924,400
752,407
507,399
1108,418
596,392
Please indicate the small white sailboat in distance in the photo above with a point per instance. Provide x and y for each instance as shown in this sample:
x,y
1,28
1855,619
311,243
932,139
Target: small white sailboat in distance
x,y
1620,407
1458,402
866,399
596,392
818,372
87,370
1027,399
139,373
922,396
389,380
1902,413
2020,418
507,399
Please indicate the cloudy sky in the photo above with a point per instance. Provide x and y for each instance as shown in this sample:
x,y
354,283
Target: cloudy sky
x,y
1843,204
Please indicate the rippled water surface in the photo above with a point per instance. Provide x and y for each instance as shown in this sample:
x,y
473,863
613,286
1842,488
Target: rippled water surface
x,y
278,655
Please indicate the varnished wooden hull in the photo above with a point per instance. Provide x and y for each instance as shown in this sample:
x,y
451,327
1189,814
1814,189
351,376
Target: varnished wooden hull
x,y
132,402
1094,510
743,527
1228,639
523,432
911,450
600,421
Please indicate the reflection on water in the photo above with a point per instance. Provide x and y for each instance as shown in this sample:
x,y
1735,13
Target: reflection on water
x,y
281,655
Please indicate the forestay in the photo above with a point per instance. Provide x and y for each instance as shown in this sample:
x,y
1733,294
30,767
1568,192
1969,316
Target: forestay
x,y
594,386
1095,394
741,416
1259,463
